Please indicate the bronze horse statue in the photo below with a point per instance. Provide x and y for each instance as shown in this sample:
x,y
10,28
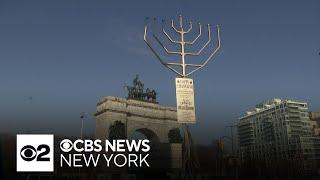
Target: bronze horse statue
x,y
137,91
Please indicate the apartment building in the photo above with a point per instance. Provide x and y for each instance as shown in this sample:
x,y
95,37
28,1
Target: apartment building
x,y
278,130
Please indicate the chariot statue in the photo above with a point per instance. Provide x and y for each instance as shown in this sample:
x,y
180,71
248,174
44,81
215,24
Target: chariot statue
x,y
137,92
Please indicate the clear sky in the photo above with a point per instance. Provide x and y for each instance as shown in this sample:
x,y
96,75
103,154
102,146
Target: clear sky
x,y
58,58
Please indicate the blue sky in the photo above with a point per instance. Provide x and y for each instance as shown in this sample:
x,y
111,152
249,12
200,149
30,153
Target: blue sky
x,y
67,55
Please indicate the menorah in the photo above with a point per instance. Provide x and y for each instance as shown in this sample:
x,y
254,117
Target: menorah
x,y
190,157
181,32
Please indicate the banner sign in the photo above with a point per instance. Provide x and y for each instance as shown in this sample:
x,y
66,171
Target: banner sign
x,y
185,100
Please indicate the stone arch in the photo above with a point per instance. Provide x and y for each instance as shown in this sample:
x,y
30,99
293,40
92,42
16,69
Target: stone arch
x,y
152,120
151,135
136,115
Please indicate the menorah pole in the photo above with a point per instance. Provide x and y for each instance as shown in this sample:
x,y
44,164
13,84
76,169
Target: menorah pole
x,y
183,56
190,156
186,151
189,160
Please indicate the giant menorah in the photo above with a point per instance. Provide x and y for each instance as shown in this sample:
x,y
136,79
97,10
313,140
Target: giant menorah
x,y
181,32
190,157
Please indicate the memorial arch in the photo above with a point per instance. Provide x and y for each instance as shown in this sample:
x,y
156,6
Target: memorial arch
x,y
151,119
140,112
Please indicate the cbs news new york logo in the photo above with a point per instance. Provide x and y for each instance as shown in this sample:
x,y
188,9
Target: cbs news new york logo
x,y
35,153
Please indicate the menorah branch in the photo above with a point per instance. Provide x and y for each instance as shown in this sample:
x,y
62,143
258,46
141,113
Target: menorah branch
x,y
156,54
161,44
199,34
209,39
173,27
212,54
190,28
168,37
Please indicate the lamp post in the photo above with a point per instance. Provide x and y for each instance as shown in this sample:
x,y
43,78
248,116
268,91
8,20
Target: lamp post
x,y
231,137
82,116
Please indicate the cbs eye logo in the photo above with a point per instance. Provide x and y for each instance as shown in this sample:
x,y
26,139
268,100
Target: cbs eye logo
x,y
29,153
66,145
35,153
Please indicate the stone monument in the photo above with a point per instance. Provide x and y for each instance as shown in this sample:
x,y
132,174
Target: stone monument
x,y
140,114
